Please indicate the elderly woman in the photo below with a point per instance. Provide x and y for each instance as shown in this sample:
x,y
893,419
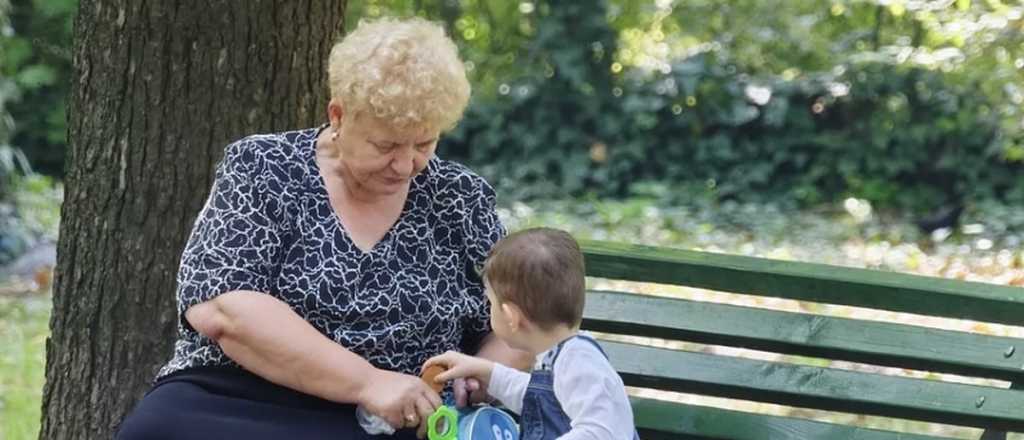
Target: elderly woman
x,y
329,263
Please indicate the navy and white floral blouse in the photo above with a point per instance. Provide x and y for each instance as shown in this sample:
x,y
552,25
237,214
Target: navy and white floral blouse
x,y
268,226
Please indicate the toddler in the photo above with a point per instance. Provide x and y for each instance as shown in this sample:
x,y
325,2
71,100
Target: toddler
x,y
534,280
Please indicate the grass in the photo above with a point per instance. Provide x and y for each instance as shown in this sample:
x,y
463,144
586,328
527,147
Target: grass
x,y
24,327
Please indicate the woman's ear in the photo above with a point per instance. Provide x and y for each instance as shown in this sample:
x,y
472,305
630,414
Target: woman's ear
x,y
335,113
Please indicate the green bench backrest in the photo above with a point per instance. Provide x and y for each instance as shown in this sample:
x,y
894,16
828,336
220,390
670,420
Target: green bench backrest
x,y
818,336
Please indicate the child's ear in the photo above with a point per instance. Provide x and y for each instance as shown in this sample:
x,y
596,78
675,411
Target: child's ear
x,y
514,316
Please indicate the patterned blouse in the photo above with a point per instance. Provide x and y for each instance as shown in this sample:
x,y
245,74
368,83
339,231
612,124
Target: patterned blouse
x,y
268,226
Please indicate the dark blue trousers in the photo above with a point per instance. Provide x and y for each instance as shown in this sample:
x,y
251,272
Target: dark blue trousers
x,y
229,403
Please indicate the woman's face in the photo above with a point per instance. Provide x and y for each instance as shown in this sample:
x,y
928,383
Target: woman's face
x,y
381,160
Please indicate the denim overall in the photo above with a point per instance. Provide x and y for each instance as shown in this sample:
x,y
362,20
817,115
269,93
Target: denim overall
x,y
543,417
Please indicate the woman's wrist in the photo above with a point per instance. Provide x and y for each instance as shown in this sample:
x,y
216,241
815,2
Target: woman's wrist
x,y
364,382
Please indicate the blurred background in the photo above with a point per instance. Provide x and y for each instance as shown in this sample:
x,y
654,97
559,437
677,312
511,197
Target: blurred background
x,y
873,133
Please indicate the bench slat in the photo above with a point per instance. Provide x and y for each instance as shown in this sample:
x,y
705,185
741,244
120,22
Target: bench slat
x,y
659,419
815,387
807,281
879,343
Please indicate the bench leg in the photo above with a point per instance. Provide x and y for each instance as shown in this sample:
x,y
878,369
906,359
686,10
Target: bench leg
x,y
991,434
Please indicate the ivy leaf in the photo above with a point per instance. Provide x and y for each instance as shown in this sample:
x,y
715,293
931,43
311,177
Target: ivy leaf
x,y
36,76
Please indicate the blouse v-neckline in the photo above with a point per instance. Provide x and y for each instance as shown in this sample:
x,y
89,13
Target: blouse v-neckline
x,y
323,196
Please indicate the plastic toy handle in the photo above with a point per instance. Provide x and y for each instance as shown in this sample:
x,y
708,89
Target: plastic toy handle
x,y
448,420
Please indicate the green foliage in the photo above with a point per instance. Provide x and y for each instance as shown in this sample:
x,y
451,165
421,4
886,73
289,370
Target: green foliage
x,y
547,123
977,48
893,134
801,100
493,35
13,163
33,76
572,98
9,157
896,135
895,131
36,54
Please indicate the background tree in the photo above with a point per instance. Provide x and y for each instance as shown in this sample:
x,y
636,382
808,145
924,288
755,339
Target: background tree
x,y
158,89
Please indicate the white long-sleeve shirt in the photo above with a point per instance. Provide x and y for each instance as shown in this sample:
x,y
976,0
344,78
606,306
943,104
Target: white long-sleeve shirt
x,y
588,388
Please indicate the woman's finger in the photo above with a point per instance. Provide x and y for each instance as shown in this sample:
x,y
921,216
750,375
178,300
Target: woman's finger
x,y
395,420
434,399
421,431
424,408
411,415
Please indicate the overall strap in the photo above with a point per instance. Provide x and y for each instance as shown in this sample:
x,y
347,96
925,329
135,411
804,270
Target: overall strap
x,y
558,348
593,342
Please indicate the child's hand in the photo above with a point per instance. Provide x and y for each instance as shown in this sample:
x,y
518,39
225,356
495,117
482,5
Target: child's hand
x,y
458,366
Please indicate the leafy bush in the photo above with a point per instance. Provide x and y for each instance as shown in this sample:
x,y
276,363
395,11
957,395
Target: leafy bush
x,y
893,134
889,132
796,100
36,63
537,136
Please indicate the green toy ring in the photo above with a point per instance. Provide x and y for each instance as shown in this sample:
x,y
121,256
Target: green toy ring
x,y
448,419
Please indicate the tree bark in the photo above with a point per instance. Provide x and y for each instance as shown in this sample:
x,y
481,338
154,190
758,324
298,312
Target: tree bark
x,y
159,88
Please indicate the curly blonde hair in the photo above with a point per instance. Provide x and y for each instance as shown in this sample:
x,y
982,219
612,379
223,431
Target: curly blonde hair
x,y
403,72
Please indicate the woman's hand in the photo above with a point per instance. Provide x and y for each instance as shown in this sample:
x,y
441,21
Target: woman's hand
x,y
461,366
402,400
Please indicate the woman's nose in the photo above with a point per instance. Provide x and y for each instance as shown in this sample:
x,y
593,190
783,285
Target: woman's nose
x,y
402,162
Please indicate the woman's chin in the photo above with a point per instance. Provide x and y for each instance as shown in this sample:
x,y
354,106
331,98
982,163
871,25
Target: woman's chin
x,y
392,186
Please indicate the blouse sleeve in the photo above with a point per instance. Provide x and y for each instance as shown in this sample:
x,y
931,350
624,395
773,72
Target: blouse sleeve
x,y
236,237
482,229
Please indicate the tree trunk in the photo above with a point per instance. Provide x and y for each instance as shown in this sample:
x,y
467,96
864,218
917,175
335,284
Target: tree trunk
x,y
159,88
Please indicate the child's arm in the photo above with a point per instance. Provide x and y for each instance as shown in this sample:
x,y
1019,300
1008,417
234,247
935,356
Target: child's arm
x,y
503,383
592,395
509,386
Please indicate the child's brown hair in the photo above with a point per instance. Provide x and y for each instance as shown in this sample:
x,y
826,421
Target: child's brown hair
x,y
541,271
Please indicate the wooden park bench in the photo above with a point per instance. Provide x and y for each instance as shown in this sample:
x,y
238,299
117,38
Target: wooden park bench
x,y
991,405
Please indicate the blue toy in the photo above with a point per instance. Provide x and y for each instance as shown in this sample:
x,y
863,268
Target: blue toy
x,y
473,423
